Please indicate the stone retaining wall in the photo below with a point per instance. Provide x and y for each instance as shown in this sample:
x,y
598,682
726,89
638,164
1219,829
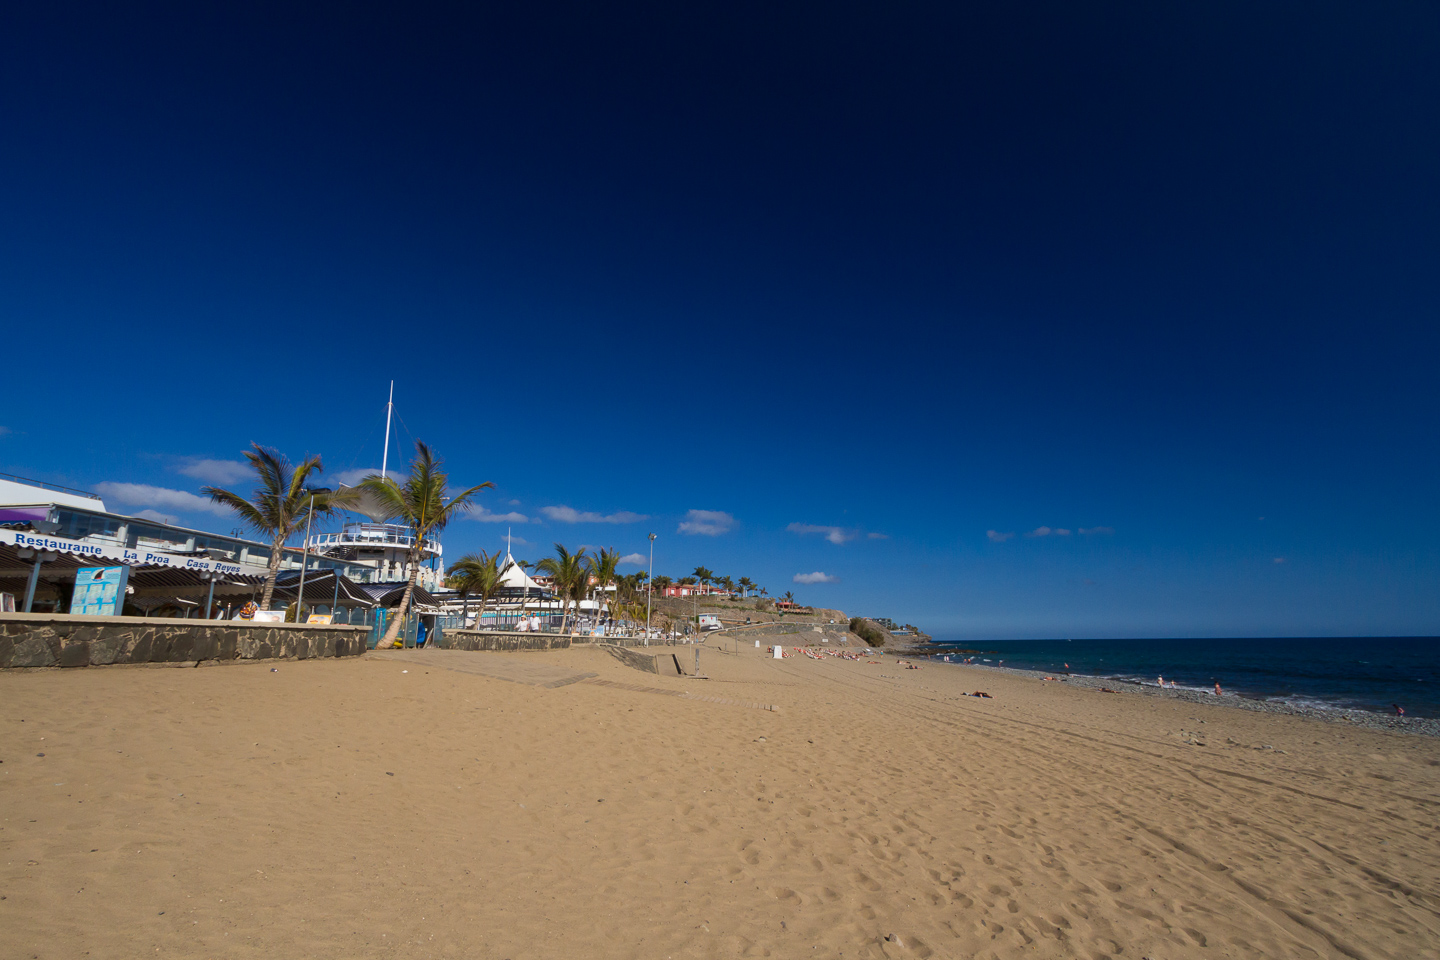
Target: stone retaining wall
x,y
65,640
500,640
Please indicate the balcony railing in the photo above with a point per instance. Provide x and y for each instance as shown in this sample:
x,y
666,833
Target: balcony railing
x,y
371,535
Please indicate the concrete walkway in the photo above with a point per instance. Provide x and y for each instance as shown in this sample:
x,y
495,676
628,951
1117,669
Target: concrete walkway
x,y
497,665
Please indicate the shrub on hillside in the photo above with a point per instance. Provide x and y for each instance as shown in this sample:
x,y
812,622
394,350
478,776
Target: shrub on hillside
x,y
870,634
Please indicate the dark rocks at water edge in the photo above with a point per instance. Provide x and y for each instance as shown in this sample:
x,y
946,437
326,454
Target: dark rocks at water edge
x,y
1355,718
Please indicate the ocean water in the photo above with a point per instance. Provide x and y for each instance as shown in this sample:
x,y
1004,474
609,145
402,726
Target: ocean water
x,y
1342,673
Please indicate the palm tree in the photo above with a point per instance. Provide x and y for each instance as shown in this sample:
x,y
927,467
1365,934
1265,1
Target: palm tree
x,y
728,584
703,575
477,573
746,585
660,583
420,503
570,575
789,596
686,581
602,568
281,503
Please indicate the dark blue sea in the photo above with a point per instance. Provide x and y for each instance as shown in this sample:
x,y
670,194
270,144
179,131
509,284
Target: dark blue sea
x,y
1342,673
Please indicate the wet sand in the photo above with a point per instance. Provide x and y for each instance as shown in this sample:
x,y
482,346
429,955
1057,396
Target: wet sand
x,y
379,808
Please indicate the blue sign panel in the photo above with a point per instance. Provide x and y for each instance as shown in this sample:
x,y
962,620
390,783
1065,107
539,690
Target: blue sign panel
x,y
100,591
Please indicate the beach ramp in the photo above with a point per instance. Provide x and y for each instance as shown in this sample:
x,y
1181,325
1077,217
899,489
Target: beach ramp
x,y
498,666
661,664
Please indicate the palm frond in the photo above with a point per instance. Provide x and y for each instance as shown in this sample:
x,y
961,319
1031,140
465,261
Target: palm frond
x,y
239,504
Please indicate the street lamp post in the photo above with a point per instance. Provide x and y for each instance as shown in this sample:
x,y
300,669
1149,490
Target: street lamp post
x,y
305,559
649,589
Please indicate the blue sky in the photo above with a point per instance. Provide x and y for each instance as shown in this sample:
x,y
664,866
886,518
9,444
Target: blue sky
x,y
889,291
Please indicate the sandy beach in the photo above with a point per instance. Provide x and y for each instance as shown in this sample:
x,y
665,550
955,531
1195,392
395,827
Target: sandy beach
x,y
384,807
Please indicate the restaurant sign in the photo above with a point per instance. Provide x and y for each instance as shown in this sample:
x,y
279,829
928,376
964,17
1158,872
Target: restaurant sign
x,y
137,557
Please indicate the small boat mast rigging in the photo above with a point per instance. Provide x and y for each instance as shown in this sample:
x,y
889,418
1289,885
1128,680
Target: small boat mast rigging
x,y
378,544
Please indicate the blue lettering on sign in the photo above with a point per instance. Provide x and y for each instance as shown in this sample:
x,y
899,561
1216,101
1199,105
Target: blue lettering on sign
x,y
157,559
49,543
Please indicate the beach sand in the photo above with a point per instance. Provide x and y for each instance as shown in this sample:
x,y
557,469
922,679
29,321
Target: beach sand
x,y
381,808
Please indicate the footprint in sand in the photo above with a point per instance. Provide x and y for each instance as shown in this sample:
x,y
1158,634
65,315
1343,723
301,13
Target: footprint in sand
x,y
865,881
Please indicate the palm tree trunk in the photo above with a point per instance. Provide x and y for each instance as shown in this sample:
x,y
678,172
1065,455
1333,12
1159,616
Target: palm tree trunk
x,y
272,572
393,630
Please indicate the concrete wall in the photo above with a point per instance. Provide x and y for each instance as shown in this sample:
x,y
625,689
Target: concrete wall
x,y
498,640
63,640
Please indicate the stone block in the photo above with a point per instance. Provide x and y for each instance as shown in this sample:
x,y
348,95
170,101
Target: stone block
x,y
107,649
33,651
7,649
137,649
226,644
203,645
182,646
159,646
75,653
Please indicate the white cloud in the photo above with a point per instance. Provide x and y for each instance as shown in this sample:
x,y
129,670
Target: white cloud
x,y
634,559
144,495
4,430
563,514
1061,532
836,535
710,523
217,471
1280,560
485,516
1040,532
352,477
1088,531
877,536
514,503
998,537
816,577
520,542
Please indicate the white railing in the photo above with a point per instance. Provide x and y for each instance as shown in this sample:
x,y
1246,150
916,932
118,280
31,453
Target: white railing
x,y
371,535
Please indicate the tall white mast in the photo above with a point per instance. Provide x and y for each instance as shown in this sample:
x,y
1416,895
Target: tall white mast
x,y
389,406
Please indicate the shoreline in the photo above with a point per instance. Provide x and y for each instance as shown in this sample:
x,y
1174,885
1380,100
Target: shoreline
x,y
1349,716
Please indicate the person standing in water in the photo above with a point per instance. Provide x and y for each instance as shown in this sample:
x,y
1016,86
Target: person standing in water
x,y
1217,689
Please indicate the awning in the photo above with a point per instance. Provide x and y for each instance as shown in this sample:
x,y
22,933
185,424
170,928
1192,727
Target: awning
x,y
390,594
321,588
106,554
145,579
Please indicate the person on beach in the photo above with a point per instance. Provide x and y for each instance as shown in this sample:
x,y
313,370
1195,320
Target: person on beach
x,y
1399,710
1161,681
1218,693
